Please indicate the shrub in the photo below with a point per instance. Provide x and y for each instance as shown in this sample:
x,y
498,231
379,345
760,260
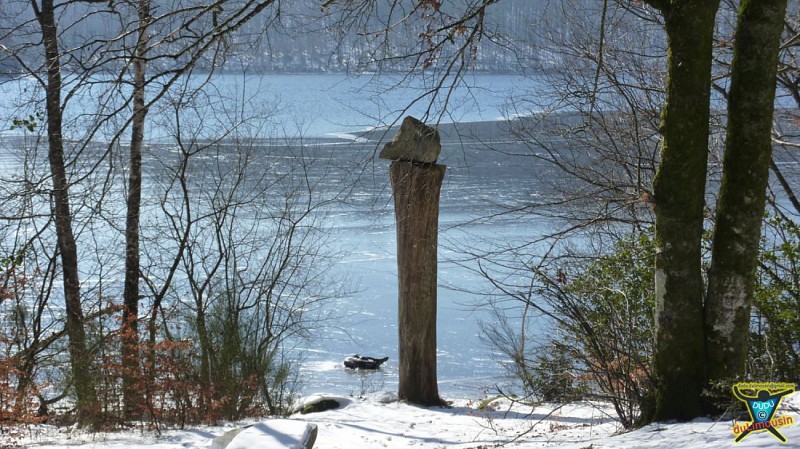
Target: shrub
x,y
775,336
603,317
607,319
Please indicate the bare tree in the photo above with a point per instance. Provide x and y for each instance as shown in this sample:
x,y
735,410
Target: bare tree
x,y
682,326
590,141
87,406
246,220
153,46
678,196
130,326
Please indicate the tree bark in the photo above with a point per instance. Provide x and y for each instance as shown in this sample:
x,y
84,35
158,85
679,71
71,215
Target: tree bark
x,y
416,196
131,363
80,358
740,209
679,190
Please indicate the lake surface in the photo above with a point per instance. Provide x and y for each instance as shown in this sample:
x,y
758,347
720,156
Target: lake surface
x,y
326,114
476,180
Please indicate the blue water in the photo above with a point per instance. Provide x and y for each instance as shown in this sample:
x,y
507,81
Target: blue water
x,y
467,366
335,108
326,113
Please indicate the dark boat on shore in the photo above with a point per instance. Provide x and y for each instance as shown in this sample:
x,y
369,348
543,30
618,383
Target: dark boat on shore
x,y
364,362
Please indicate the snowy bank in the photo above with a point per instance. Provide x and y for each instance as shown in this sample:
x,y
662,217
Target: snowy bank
x,y
374,422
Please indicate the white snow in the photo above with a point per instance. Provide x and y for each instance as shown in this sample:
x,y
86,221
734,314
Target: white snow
x,y
373,423
278,433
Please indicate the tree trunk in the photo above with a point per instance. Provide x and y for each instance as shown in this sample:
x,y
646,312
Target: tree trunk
x,y
416,197
131,364
206,354
740,210
80,358
679,190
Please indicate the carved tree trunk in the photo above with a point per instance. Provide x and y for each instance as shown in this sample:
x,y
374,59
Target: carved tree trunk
x,y
416,197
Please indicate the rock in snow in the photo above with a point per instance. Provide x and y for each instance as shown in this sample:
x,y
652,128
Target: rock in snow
x,y
319,403
273,434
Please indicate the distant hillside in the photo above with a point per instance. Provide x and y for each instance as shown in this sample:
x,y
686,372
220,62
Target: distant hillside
x,y
304,39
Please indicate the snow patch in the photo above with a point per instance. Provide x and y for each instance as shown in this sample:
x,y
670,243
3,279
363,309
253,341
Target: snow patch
x,y
273,434
385,397
348,136
370,424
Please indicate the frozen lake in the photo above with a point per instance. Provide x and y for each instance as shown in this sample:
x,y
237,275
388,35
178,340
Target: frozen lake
x,y
476,180
324,114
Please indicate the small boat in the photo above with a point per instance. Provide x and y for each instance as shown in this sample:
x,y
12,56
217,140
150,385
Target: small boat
x,y
363,362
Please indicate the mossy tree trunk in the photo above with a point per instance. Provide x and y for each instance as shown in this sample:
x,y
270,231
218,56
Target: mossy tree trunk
x,y
416,196
679,191
740,208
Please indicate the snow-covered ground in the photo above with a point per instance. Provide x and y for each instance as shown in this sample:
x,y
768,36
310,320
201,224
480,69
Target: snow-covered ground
x,y
375,422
